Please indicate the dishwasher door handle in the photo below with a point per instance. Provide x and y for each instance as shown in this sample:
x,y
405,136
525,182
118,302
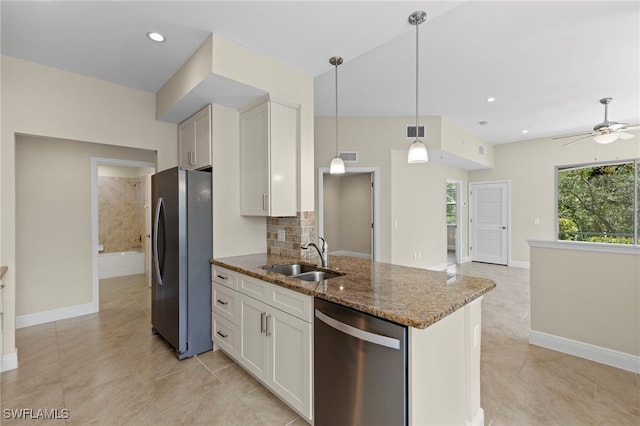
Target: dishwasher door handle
x,y
377,339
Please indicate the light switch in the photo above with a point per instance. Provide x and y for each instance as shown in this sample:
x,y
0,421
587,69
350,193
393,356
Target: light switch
x,y
536,221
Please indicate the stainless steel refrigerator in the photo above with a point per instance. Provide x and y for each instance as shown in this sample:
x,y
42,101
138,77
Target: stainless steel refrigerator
x,y
182,246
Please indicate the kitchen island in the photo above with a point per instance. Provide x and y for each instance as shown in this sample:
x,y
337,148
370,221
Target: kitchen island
x,y
442,312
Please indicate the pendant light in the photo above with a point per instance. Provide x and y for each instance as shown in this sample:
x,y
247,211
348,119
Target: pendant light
x,y
417,150
337,165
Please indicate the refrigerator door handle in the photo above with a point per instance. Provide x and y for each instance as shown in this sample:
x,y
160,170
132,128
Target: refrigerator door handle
x,y
367,336
156,225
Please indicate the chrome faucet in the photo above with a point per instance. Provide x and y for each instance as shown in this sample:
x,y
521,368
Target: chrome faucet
x,y
323,253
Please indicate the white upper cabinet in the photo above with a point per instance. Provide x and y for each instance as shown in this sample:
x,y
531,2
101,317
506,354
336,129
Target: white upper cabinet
x,y
268,158
194,140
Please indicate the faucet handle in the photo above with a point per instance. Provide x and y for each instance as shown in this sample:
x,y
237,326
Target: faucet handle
x,y
325,246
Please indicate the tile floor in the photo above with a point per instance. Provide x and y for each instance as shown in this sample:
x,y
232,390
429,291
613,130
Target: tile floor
x,y
107,369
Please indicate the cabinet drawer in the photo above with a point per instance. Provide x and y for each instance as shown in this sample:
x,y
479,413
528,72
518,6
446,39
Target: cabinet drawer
x,y
224,335
224,276
224,302
297,304
253,288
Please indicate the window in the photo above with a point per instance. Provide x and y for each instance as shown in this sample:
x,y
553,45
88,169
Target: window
x,y
452,208
598,202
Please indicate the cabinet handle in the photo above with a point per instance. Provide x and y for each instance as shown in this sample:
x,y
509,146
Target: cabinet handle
x,y
222,277
263,317
267,331
192,158
222,302
265,202
221,334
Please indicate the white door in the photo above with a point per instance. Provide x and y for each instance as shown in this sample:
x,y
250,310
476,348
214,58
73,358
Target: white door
x,y
488,222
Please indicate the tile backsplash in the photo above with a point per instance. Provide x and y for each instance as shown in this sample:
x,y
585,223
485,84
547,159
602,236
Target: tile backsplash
x,y
121,212
298,231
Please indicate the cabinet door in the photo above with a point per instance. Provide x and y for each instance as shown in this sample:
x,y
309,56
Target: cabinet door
x,y
254,132
283,155
252,351
290,359
186,144
202,138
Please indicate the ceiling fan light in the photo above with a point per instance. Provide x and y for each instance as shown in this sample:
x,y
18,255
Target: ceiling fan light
x,y
605,138
625,136
417,153
337,166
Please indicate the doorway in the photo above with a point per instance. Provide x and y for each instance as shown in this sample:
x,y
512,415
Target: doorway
x,y
452,195
489,220
347,211
121,219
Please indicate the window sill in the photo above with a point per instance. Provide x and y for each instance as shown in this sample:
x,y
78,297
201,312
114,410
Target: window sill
x,y
584,246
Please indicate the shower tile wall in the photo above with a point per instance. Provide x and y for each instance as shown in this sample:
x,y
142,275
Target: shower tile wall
x,y
121,221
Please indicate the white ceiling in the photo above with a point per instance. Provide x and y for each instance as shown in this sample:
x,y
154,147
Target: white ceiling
x,y
547,63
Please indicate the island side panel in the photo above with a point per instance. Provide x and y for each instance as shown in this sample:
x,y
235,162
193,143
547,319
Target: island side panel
x,y
444,370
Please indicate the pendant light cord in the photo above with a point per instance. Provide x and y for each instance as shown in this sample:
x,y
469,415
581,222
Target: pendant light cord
x,y
417,80
336,107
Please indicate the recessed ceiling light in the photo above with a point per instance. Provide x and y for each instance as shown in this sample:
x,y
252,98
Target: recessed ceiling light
x,y
525,131
491,99
483,123
157,37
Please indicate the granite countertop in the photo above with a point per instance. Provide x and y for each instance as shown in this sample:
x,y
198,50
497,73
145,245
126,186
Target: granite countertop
x,y
405,295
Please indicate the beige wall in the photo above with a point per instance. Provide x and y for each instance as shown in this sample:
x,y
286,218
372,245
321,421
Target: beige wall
x,y
53,220
418,212
355,223
587,296
43,101
331,211
408,192
530,166
347,212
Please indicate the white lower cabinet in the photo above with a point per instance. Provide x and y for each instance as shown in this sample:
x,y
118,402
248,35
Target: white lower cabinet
x,y
253,352
272,338
290,360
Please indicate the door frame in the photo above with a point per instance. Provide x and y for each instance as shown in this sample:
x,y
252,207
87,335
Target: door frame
x,y
471,207
458,231
95,162
375,173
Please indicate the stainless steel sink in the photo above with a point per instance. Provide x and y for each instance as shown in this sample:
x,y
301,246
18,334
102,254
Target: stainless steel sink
x,y
316,276
291,269
302,272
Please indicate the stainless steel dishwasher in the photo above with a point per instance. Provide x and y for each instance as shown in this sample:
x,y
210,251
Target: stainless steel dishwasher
x,y
360,368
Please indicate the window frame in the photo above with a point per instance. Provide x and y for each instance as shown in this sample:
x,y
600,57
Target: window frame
x,y
636,198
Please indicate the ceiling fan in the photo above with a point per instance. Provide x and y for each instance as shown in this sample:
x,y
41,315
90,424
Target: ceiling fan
x,y
605,132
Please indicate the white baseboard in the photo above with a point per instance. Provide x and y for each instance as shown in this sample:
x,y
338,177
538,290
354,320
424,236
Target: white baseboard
x,y
465,259
520,264
478,420
54,315
587,351
351,253
9,361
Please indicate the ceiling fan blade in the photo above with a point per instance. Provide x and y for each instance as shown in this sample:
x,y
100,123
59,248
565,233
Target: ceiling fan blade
x,y
624,136
617,126
634,127
575,135
577,140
